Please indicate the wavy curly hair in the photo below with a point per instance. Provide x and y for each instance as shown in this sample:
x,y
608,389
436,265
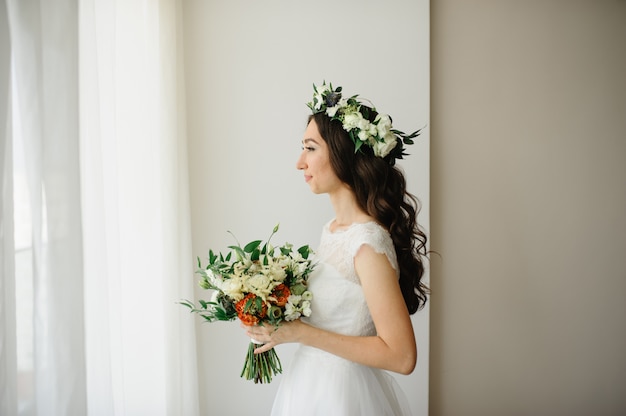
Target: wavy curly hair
x,y
380,189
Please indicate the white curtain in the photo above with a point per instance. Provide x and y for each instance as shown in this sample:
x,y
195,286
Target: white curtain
x,y
8,357
45,119
98,105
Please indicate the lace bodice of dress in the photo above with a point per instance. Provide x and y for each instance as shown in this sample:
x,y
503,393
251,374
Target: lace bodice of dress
x,y
339,248
338,303
327,383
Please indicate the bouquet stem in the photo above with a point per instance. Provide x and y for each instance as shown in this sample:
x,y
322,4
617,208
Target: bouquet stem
x,y
261,367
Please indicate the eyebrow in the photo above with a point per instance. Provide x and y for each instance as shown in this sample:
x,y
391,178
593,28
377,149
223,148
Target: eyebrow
x,y
305,141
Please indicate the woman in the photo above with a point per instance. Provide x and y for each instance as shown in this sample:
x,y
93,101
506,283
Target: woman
x,y
369,269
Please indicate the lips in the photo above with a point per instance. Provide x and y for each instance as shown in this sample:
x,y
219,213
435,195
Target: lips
x,y
307,178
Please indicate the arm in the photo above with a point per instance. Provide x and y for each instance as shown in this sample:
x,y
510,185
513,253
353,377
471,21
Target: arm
x,y
393,348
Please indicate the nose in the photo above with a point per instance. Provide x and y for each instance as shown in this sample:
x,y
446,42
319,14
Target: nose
x,y
300,163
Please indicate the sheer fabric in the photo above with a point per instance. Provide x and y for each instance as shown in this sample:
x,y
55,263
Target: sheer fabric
x,y
96,102
8,355
136,217
45,120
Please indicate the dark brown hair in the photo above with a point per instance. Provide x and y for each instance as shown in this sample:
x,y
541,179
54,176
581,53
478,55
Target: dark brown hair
x,y
380,189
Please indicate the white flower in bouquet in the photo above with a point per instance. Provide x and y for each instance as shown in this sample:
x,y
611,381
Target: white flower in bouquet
x,y
277,271
301,267
233,287
257,284
292,309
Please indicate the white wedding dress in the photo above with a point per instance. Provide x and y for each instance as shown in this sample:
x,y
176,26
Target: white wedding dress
x,y
317,383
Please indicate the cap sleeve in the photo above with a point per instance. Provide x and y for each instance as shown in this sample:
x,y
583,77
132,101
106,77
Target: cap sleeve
x,y
375,236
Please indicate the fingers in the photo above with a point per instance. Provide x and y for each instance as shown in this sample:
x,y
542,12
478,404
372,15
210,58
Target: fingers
x,y
260,333
267,334
264,348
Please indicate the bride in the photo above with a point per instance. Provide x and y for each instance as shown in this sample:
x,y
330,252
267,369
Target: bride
x,y
368,280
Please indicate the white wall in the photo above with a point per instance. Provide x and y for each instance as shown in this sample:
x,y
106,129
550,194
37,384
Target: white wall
x,y
250,66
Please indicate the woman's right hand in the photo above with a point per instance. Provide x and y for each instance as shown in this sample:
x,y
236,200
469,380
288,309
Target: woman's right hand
x,y
271,335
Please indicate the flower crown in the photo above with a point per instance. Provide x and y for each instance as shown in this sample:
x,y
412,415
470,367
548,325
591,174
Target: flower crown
x,y
356,119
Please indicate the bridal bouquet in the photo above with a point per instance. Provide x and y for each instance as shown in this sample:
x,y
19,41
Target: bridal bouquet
x,y
257,283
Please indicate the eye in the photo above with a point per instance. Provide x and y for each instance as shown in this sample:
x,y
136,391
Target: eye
x,y
308,148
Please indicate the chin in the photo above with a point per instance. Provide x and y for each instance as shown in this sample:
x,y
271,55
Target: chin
x,y
317,190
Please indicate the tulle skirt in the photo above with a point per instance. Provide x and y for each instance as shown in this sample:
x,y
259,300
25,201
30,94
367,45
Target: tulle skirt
x,y
317,383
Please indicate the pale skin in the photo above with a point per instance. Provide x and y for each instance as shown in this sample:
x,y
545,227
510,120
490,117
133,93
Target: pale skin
x,y
393,348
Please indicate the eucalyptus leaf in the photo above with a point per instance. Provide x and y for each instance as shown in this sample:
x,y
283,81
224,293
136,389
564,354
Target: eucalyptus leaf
x,y
240,253
251,246
187,304
304,251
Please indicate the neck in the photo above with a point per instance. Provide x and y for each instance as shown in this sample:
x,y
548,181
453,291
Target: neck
x,y
347,210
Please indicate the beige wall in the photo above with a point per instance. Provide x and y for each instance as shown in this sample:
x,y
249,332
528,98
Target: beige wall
x,y
528,207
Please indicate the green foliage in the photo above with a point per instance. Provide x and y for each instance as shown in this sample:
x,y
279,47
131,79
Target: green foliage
x,y
247,283
366,127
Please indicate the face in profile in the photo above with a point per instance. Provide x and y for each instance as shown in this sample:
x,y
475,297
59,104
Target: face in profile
x,y
314,162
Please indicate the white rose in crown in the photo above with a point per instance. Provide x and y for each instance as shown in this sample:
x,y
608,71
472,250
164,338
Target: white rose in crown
x,y
382,149
383,125
351,120
363,124
379,134
363,135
